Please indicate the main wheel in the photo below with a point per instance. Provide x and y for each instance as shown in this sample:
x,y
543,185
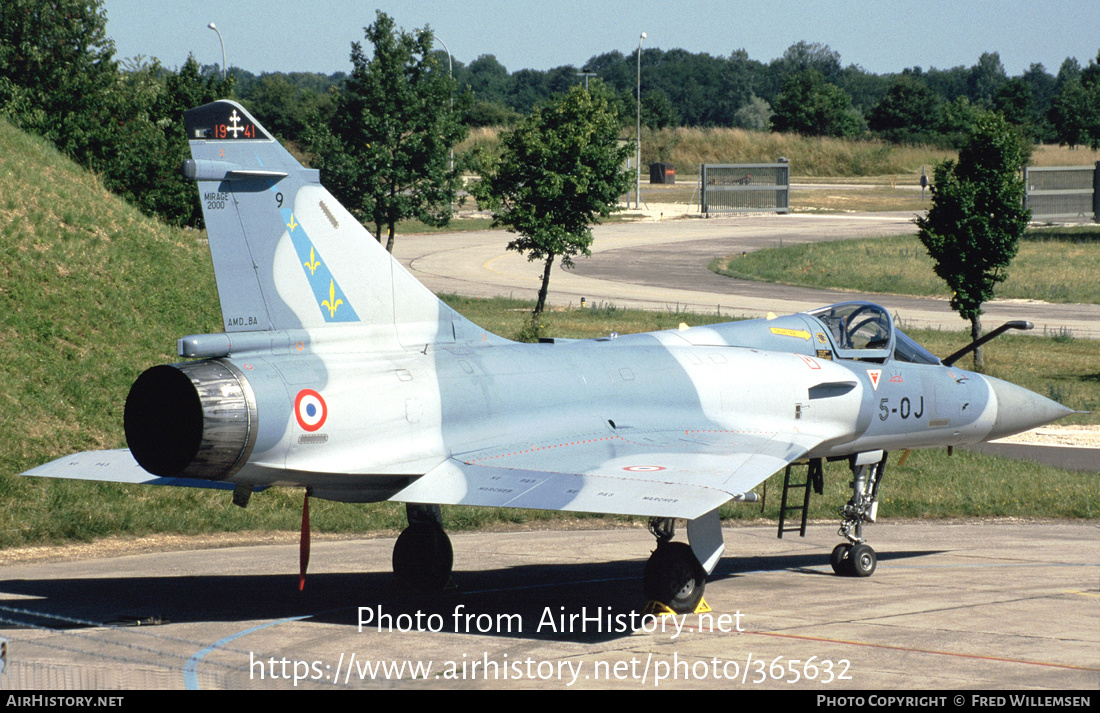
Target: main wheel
x,y
862,561
840,560
423,556
674,577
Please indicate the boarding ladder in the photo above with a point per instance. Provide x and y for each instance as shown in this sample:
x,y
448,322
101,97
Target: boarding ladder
x,y
814,476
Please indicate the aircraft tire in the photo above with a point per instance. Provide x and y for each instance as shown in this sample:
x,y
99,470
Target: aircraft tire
x,y
840,560
862,561
674,577
423,556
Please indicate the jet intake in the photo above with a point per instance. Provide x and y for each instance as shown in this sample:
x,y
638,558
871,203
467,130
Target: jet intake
x,y
191,420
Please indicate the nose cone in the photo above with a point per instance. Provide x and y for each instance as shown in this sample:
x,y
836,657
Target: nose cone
x,y
1020,410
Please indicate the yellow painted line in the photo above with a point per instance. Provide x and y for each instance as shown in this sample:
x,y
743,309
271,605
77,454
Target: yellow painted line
x,y
1083,594
488,264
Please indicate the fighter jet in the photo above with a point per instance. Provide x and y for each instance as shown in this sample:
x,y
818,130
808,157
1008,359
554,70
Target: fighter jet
x,y
339,373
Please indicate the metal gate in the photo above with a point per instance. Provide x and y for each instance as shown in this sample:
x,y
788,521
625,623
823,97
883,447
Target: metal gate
x,y
745,187
1062,192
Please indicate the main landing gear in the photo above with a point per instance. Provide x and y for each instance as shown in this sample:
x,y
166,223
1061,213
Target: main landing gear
x,y
422,555
856,558
674,576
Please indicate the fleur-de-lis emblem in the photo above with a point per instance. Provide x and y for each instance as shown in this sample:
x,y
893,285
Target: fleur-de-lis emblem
x,y
312,264
332,303
292,224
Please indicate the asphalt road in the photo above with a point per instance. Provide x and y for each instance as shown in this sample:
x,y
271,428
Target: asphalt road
x,y
663,265
953,605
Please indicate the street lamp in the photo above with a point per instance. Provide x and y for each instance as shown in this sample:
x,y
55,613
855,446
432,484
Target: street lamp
x,y
450,73
214,27
638,192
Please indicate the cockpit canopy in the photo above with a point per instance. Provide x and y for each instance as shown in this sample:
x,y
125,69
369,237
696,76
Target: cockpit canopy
x,y
865,331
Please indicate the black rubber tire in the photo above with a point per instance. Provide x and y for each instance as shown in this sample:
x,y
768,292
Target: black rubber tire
x,y
674,577
862,561
840,561
423,556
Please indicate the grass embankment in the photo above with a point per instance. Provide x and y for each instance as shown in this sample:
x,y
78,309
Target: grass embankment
x,y
1053,265
92,293
810,156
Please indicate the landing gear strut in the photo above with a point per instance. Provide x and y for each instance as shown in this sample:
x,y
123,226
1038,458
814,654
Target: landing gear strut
x,y
673,575
856,558
422,555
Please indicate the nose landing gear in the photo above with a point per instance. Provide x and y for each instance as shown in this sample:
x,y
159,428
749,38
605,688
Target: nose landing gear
x,y
856,558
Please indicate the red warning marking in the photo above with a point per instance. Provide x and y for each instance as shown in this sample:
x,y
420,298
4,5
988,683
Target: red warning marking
x,y
809,362
644,468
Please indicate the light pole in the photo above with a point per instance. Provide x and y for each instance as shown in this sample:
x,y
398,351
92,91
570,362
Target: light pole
x,y
450,73
638,187
214,27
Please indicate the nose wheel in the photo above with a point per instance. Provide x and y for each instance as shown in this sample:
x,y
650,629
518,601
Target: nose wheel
x,y
853,560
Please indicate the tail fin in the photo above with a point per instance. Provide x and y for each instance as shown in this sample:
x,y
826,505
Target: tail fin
x,y
286,254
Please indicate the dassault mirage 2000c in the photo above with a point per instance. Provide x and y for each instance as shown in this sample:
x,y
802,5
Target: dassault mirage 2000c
x,y
339,373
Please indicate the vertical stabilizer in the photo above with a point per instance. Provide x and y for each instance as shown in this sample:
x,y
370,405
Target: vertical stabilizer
x,y
286,254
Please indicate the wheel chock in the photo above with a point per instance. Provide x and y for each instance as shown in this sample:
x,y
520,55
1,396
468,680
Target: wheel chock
x,y
661,609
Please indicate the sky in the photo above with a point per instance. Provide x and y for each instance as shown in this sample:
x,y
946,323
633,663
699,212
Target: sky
x,y
882,37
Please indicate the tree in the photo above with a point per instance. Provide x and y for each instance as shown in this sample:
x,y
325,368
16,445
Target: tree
x,y
811,106
755,115
985,78
909,108
1015,101
488,79
956,120
56,66
973,229
1075,111
58,79
385,152
811,55
560,171
657,110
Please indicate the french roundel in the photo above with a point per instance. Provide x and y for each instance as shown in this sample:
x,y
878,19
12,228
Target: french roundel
x,y
310,409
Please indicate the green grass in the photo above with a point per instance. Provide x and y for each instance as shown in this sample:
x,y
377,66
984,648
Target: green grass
x,y
457,225
932,483
1054,265
509,317
92,293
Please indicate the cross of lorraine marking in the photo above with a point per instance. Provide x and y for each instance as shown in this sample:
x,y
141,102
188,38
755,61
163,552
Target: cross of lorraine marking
x,y
235,127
